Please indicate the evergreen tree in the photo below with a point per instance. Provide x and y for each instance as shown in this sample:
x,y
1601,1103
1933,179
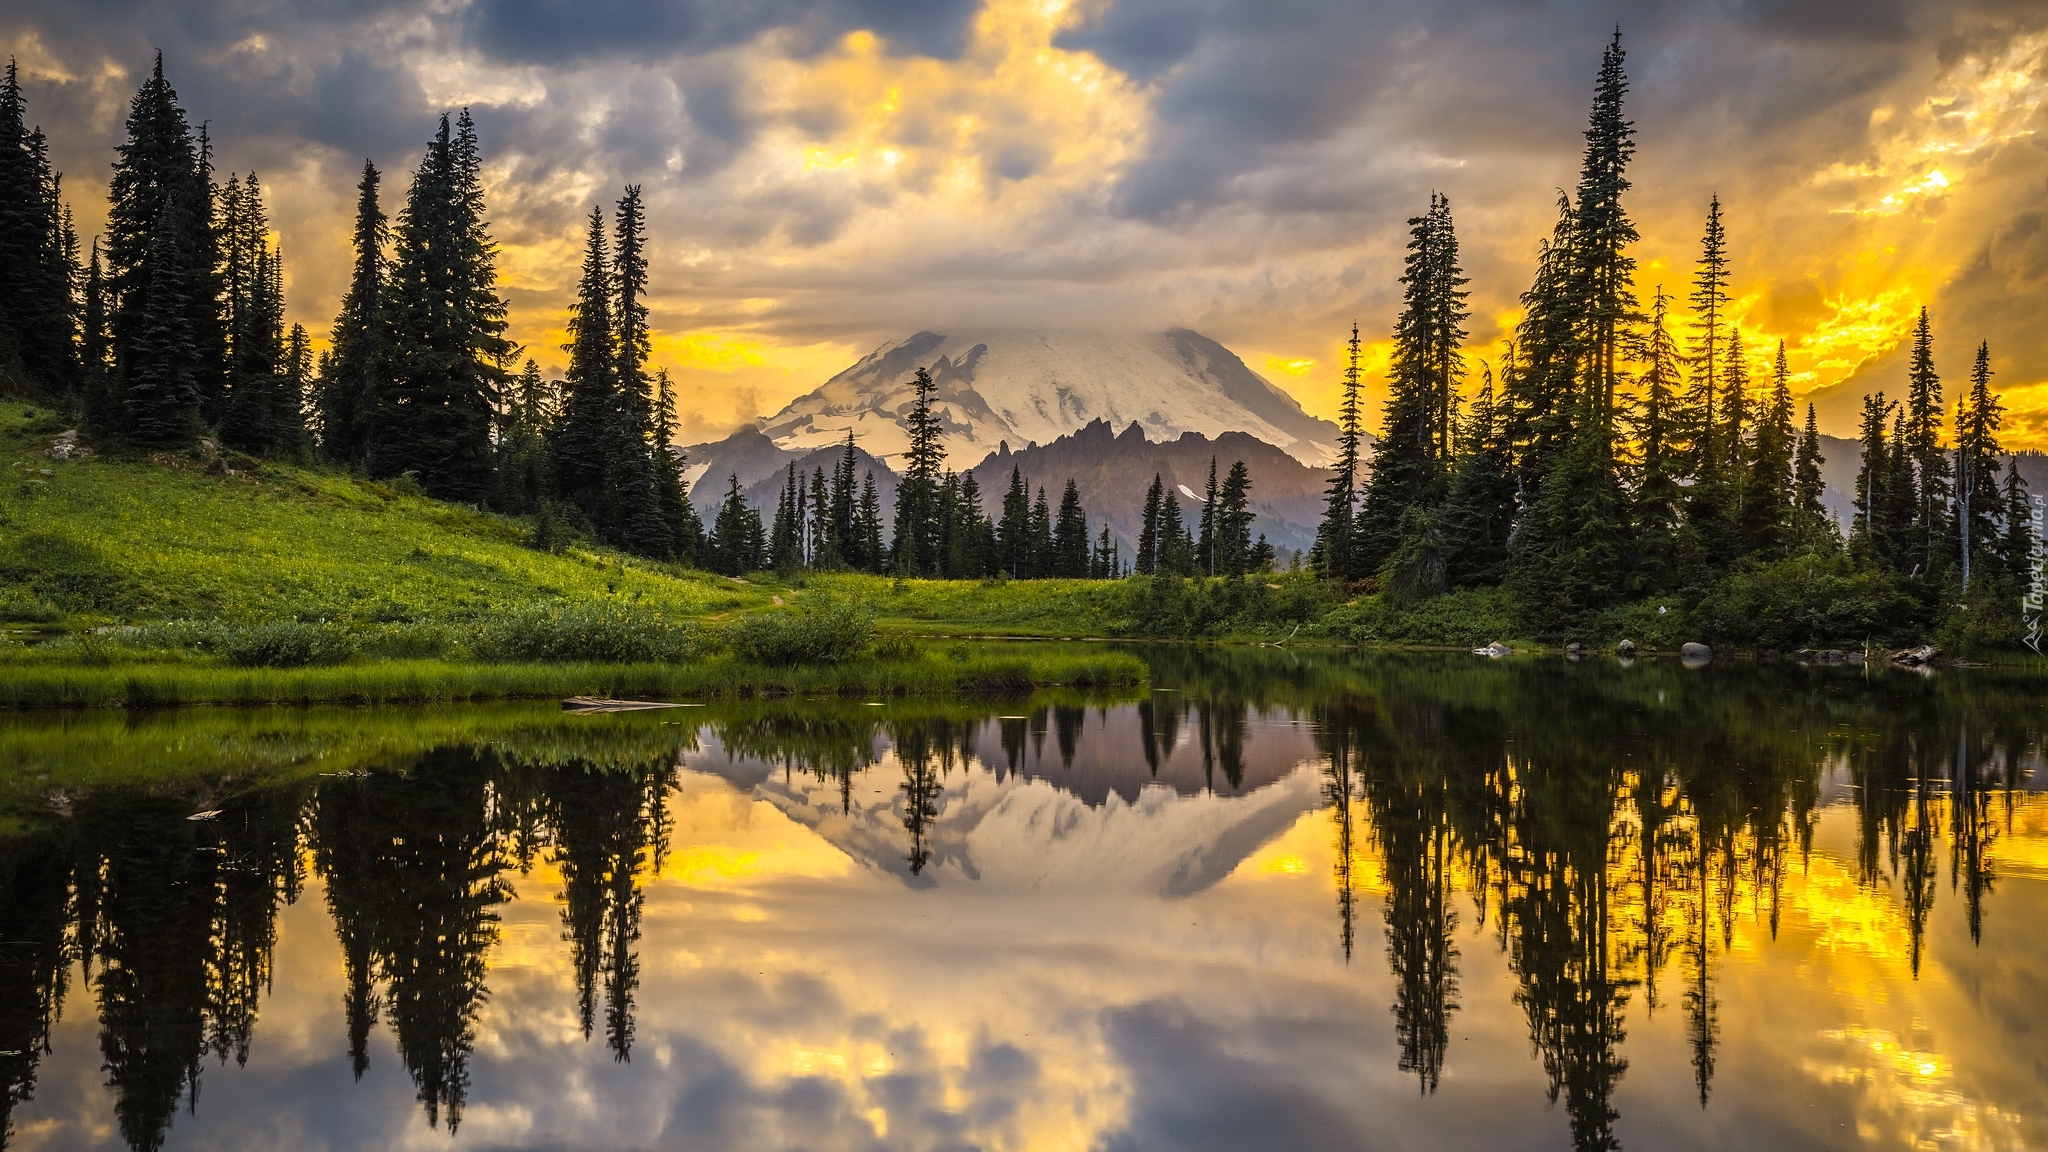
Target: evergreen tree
x,y
785,539
40,258
844,503
1411,462
525,468
1603,271
1657,493
1539,383
1043,560
1234,523
2016,550
736,546
633,472
1566,558
1870,533
1480,506
1812,526
1102,562
1013,533
587,434
1710,304
916,545
1070,536
1979,507
1176,547
1333,549
685,530
1923,410
1205,538
99,404
1767,480
167,341
445,340
263,411
868,554
1148,534
823,548
352,372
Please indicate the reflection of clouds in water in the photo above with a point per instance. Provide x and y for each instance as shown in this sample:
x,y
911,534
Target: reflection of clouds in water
x,y
1090,966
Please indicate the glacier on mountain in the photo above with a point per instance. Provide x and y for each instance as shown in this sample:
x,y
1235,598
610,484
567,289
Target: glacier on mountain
x,y
1019,386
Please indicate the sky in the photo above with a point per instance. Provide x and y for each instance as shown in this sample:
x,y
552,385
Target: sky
x,y
825,177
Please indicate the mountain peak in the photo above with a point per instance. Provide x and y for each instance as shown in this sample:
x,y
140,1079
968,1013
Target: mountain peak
x,y
999,386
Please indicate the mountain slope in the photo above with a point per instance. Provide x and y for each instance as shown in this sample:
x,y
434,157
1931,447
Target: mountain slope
x,y
1112,471
1021,387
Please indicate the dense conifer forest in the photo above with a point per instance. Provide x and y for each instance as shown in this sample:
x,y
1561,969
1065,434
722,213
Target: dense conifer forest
x,y
1625,449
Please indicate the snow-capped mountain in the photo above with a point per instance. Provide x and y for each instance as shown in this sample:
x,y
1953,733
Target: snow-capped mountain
x,y
1019,387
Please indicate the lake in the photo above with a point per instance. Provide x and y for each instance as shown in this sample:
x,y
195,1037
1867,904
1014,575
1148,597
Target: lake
x,y
1271,901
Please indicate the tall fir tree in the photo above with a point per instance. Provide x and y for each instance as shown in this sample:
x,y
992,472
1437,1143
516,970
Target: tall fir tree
x,y
1479,508
1871,534
1205,536
736,545
1410,464
685,529
1979,501
2016,548
869,553
352,374
1813,527
634,474
916,546
1147,560
1234,522
1333,549
1657,492
1931,528
1539,383
262,412
1070,536
446,344
1013,531
164,314
588,434
1767,478
1603,271
39,254
1710,304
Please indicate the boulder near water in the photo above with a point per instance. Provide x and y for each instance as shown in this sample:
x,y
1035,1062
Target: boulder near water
x,y
1694,652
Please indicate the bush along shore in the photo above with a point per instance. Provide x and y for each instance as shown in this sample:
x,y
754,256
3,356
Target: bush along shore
x,y
609,650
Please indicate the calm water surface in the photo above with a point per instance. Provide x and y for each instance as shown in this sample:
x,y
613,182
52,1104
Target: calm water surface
x,y
1276,902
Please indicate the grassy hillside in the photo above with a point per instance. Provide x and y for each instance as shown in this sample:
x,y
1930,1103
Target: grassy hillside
x,y
96,541
208,579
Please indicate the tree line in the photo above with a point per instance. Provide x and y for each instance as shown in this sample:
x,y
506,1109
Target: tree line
x,y
175,330
942,527
1603,463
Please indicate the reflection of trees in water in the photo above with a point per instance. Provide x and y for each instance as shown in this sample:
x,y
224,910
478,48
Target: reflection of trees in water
x,y
828,746
606,826
183,922
1608,832
35,960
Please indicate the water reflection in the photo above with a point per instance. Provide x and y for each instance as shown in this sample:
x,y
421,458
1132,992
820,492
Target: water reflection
x,y
1592,849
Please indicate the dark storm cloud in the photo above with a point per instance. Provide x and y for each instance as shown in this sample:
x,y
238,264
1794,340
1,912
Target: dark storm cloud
x,y
1245,83
1274,147
565,31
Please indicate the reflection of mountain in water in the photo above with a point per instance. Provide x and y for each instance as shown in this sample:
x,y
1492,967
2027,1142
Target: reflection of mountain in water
x,y
1160,798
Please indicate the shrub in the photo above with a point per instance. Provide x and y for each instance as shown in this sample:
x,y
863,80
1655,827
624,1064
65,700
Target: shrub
x,y
283,644
825,634
1462,619
1810,600
603,631
1656,625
